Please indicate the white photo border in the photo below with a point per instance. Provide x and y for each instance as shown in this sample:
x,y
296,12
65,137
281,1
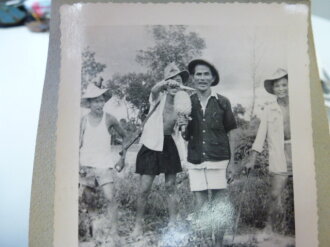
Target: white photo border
x,y
75,17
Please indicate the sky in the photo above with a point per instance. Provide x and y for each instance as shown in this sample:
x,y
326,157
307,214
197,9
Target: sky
x,y
229,48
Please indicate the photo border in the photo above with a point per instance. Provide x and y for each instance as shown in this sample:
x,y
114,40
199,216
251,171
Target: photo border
x,y
42,201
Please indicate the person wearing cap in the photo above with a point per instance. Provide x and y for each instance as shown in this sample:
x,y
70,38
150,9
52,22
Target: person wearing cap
x,y
159,152
96,159
275,128
210,140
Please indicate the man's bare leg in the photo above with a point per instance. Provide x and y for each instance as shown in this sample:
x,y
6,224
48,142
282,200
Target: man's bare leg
x,y
218,197
201,200
170,180
201,197
278,183
145,186
112,207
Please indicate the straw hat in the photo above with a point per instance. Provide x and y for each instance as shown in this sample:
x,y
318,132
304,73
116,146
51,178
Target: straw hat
x,y
173,70
93,91
193,63
269,82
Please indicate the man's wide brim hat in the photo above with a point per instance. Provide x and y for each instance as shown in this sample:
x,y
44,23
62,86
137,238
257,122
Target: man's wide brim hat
x,y
93,91
173,70
215,73
269,82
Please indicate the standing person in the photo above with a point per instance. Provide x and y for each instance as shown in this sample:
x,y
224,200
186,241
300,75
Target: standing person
x,y
275,127
210,140
96,158
159,153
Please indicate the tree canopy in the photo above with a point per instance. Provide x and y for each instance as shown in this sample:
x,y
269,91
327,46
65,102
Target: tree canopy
x,y
90,68
172,44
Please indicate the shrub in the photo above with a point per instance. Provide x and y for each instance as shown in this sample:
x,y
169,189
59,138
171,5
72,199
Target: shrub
x,y
251,192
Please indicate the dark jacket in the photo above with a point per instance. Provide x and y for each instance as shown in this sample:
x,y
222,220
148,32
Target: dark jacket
x,y
207,133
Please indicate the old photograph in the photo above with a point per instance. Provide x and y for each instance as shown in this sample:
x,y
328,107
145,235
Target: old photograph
x,y
189,130
202,123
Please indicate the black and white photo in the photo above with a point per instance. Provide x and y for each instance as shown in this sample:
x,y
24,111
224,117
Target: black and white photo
x,y
190,128
220,139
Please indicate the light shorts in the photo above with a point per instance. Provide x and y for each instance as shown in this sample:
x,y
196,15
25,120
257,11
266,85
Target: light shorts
x,y
288,158
92,177
209,175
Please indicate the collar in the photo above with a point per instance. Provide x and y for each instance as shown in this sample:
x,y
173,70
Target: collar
x,y
213,94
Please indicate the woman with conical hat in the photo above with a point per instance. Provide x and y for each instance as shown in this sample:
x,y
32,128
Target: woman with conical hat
x,y
275,128
159,152
96,160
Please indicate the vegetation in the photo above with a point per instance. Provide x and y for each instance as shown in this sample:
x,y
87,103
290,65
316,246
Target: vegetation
x,y
176,43
253,199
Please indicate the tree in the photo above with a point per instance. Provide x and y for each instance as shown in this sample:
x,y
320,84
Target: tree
x,y
90,68
172,44
133,90
256,58
239,112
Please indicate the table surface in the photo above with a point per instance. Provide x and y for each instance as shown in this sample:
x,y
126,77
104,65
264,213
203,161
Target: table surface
x,y
23,66
22,76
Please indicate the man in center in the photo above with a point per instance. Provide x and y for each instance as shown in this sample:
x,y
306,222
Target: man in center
x,y
210,141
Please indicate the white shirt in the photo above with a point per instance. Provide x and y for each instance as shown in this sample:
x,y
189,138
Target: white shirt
x,y
96,148
213,94
271,127
153,132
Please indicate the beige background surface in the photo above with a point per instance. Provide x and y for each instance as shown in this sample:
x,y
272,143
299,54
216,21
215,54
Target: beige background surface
x,y
42,201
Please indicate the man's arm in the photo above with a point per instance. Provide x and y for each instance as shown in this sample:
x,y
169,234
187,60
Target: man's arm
x,y
230,126
112,122
157,88
258,144
119,130
161,86
232,145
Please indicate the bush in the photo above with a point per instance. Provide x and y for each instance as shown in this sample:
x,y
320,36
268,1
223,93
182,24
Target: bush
x,y
251,192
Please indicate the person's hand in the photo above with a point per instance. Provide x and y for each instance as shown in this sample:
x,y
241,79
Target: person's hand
x,y
182,120
120,164
249,163
163,84
172,83
230,172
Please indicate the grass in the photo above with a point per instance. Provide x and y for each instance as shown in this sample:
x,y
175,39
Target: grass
x,y
252,217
